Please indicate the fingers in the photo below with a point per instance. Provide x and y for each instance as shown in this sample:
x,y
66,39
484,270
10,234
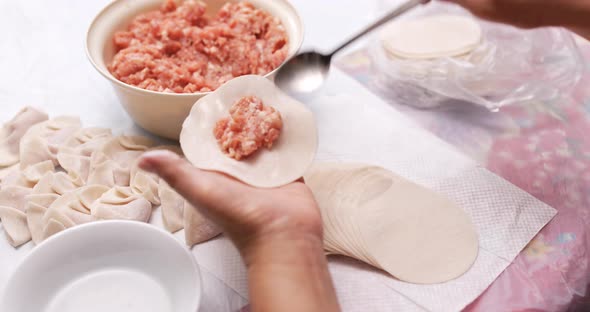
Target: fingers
x,y
482,8
526,13
211,191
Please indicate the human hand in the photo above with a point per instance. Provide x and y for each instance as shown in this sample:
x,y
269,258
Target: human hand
x,y
277,231
532,13
250,216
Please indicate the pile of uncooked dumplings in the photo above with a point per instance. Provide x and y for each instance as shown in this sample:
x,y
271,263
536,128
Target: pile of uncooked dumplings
x,y
55,174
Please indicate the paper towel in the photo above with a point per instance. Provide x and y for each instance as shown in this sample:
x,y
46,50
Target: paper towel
x,y
361,128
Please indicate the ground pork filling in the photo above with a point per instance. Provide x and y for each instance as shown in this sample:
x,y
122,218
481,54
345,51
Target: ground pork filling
x,y
249,126
180,49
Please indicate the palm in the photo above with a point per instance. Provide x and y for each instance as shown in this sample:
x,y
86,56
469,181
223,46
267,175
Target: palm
x,y
294,201
244,212
291,207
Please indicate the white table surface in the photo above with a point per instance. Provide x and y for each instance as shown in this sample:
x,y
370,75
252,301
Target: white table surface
x,y
42,63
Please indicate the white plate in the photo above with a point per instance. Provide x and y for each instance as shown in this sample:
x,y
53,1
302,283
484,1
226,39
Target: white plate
x,y
106,266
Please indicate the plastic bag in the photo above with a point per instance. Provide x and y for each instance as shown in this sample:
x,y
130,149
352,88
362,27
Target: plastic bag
x,y
510,66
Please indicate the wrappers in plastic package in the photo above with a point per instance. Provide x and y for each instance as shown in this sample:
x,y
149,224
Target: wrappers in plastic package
x,y
510,66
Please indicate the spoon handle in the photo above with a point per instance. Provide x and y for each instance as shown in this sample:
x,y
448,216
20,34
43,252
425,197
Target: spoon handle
x,y
410,4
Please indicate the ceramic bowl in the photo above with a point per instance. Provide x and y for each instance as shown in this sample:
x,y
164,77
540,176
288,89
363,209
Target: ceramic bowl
x,y
158,112
106,266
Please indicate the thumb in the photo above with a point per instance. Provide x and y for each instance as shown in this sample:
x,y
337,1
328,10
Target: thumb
x,y
211,192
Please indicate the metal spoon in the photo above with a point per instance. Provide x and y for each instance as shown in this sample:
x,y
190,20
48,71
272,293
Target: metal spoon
x,y
306,72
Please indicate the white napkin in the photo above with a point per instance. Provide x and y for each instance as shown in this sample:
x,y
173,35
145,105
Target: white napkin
x,y
362,128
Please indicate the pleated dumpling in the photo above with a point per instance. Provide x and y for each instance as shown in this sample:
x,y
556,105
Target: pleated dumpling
x,y
147,184
86,140
42,141
32,174
12,132
28,177
15,226
37,205
12,214
172,205
111,164
6,171
69,210
57,183
197,228
75,154
49,188
120,203
177,213
14,192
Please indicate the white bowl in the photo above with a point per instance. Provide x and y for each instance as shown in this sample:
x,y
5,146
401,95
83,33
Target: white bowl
x,y
106,266
158,112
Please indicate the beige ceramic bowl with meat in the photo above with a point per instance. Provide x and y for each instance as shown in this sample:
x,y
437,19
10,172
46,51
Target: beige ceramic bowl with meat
x,y
163,113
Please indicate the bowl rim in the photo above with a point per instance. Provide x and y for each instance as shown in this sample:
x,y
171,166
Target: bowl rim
x,y
122,84
198,293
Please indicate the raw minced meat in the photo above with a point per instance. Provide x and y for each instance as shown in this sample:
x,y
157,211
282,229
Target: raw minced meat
x,y
250,126
180,49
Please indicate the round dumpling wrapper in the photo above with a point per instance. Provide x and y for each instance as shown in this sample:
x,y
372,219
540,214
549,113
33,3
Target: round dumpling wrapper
x,y
290,155
430,239
432,37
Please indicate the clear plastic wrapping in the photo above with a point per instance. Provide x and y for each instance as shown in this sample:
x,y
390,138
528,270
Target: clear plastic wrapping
x,y
510,66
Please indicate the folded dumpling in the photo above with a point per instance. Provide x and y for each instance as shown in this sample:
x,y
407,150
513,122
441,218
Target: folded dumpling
x,y
36,206
58,183
108,173
68,210
86,140
122,204
172,205
42,141
16,177
32,174
28,177
147,184
14,191
75,154
75,165
15,227
12,214
12,132
197,228
177,213
14,196
111,164
63,183
6,171
49,188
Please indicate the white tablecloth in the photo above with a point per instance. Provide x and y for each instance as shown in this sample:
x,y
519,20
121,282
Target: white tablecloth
x,y
42,63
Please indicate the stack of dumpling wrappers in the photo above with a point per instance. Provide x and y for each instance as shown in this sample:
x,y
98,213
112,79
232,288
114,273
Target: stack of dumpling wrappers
x,y
372,215
55,174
